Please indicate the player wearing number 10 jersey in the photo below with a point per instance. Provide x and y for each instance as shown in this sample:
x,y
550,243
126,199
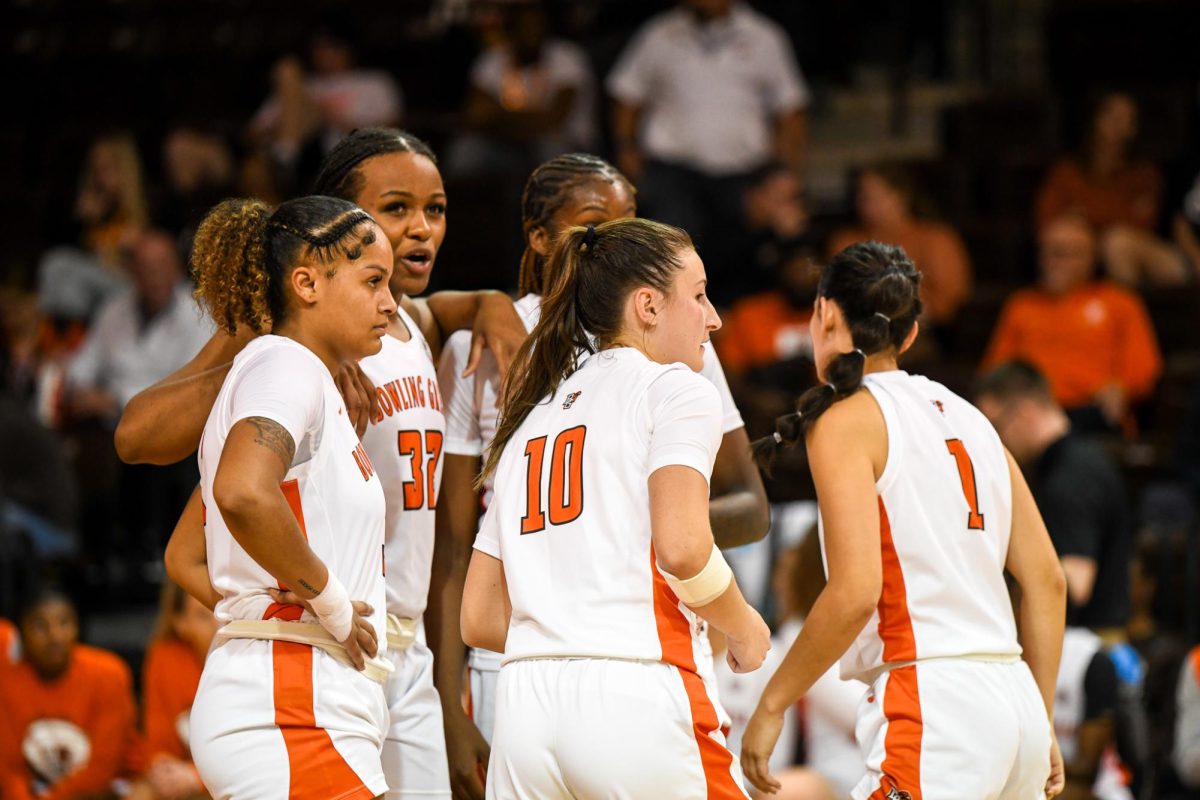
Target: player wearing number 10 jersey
x,y
600,506
921,511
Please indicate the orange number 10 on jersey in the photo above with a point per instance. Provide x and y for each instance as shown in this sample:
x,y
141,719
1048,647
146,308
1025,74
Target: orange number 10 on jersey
x,y
566,480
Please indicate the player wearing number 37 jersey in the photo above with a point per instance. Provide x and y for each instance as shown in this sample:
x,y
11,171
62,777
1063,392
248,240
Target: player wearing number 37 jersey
x,y
595,559
921,512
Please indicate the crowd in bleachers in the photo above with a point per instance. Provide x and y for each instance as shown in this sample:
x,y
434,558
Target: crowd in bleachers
x,y
1059,244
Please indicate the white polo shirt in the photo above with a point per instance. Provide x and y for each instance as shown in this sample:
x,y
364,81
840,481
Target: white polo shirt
x,y
710,92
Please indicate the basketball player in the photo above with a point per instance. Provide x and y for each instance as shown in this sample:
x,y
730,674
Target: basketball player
x,y
573,189
596,560
291,696
922,510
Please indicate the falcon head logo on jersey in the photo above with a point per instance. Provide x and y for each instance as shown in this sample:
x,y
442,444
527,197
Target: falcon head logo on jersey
x,y
571,398
896,794
938,404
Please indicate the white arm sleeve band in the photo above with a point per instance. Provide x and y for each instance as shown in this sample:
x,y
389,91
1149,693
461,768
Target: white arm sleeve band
x,y
333,609
706,585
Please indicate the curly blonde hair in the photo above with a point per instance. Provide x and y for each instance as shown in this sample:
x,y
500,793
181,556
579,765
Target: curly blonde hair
x,y
243,253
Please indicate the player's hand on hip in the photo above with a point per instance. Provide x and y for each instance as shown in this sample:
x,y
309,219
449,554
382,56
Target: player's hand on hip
x,y
468,754
748,650
1058,774
758,742
362,633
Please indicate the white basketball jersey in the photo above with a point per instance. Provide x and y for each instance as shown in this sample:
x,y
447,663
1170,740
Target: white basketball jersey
x,y
404,442
570,517
472,403
945,508
331,487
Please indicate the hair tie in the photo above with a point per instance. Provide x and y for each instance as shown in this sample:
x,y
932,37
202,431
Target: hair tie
x,y
886,318
589,239
777,437
861,353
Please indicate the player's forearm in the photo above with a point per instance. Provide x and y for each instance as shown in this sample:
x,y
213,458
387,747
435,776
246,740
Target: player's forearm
x,y
837,617
263,524
738,518
729,613
442,616
163,424
1041,620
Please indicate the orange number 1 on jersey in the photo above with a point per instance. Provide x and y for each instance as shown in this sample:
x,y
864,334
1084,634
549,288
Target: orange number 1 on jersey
x,y
566,480
966,473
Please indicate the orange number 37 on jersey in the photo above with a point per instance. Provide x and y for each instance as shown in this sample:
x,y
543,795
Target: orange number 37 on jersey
x,y
566,480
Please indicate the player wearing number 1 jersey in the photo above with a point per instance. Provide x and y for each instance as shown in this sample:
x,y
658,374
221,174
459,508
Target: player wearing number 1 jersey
x,y
595,561
921,512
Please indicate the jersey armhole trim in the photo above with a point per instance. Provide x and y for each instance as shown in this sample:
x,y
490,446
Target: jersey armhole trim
x,y
893,435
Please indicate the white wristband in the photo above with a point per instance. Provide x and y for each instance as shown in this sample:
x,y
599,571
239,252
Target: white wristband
x,y
706,585
333,609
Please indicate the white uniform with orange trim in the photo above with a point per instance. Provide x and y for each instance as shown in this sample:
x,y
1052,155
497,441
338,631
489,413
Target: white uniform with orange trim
x,y
599,694
471,419
404,442
952,711
280,719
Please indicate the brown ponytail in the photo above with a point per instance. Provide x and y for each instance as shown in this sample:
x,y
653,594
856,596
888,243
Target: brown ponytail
x,y
877,288
592,270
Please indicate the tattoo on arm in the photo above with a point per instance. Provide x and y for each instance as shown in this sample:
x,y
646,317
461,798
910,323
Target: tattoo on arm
x,y
308,586
273,436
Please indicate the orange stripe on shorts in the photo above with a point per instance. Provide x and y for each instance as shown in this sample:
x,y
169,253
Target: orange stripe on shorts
x,y
316,769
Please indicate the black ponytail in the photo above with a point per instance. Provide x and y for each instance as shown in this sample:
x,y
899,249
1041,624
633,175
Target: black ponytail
x,y
877,288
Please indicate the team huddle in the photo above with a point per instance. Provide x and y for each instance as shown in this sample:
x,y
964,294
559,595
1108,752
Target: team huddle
x,y
378,492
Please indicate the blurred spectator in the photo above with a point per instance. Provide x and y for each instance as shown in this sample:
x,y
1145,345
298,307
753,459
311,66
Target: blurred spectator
x,y
170,676
1085,710
199,173
1187,731
819,731
1091,338
141,336
705,94
767,328
1078,488
112,198
1185,224
532,97
773,227
885,204
69,717
1159,594
1120,196
306,114
75,281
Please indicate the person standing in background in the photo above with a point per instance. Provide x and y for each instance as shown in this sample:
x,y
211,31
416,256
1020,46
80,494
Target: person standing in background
x,y
705,94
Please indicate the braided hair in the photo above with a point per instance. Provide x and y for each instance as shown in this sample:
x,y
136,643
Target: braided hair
x,y
340,175
546,192
243,253
877,287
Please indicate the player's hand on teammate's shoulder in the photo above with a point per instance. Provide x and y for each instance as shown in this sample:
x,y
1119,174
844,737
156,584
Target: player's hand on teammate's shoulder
x,y
358,391
748,648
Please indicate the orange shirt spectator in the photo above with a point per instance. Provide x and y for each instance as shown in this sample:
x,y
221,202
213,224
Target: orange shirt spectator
x,y
1091,338
10,643
169,680
69,717
1128,196
761,330
884,204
